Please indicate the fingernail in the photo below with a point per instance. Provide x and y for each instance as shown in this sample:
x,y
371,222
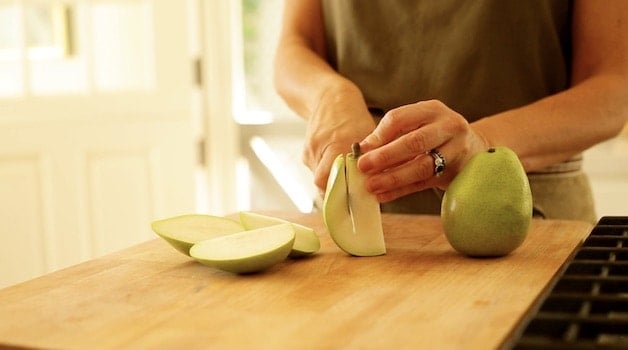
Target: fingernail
x,y
365,145
365,164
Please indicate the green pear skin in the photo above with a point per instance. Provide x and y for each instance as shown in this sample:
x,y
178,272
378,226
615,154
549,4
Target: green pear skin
x,y
487,208
367,217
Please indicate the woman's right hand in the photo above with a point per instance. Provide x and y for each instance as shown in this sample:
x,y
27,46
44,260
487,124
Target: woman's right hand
x,y
340,119
333,106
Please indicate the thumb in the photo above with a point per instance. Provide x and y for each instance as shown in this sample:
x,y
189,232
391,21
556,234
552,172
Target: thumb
x,y
371,141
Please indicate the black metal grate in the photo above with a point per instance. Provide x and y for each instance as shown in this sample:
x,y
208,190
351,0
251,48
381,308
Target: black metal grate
x,y
587,308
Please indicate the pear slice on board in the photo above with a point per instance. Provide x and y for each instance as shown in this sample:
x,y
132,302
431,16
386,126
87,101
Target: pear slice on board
x,y
183,231
246,251
306,241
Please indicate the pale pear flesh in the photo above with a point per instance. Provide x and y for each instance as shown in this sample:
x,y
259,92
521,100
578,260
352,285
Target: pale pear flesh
x,y
357,231
247,251
183,231
306,241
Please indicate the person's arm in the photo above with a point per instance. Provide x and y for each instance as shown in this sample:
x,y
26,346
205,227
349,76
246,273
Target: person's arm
x,y
332,105
543,133
594,109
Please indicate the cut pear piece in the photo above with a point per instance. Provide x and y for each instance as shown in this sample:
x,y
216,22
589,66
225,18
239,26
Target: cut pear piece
x,y
246,251
351,213
306,241
183,231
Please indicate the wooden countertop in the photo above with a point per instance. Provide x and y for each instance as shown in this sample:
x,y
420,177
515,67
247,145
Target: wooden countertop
x,y
422,294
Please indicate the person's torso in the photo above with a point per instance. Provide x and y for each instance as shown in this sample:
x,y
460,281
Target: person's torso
x,y
479,57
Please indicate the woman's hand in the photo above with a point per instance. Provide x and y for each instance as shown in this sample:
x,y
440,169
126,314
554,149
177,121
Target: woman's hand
x,y
397,152
340,119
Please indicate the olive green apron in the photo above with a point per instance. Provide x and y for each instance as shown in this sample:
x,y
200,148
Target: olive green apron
x,y
479,57
560,195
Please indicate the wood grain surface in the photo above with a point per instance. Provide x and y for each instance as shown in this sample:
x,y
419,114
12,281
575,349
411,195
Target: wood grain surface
x,y
421,294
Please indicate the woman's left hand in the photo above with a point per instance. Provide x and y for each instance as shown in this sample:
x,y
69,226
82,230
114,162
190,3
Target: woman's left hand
x,y
397,153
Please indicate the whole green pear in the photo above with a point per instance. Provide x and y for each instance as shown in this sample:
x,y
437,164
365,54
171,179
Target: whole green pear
x,y
487,208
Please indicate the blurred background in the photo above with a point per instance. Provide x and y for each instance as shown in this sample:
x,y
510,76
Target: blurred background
x,y
114,113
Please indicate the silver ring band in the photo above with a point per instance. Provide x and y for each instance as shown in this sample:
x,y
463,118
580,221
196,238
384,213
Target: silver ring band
x,y
439,162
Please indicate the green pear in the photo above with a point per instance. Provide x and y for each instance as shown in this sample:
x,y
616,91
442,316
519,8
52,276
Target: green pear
x,y
306,241
183,231
352,214
487,208
246,251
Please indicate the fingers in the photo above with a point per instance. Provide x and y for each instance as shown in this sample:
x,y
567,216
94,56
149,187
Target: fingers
x,y
404,119
397,156
408,131
324,144
419,169
403,149
398,122
413,176
323,166
396,153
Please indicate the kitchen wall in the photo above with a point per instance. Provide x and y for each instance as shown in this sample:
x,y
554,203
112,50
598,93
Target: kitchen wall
x,y
607,167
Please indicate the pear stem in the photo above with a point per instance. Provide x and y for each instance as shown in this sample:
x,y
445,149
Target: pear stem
x,y
355,149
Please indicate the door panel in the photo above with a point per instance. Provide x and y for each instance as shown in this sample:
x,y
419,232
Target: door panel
x,y
71,193
84,171
23,217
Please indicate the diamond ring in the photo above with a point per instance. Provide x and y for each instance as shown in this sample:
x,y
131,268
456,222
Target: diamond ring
x,y
439,162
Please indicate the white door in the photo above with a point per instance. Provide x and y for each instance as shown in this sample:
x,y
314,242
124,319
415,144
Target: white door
x,y
97,133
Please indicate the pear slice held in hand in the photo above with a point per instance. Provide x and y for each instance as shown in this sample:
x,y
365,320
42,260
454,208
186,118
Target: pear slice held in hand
x,y
183,231
351,213
247,251
306,241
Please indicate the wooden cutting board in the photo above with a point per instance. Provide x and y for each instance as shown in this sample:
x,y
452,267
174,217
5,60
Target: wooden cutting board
x,y
421,295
